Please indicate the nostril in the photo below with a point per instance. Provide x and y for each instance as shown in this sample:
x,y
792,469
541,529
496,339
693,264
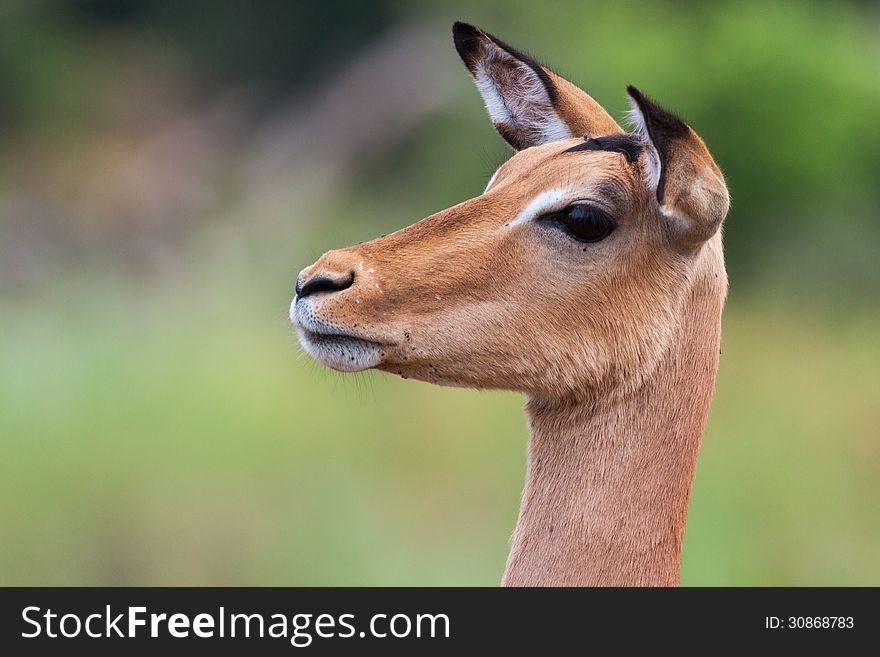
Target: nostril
x,y
324,284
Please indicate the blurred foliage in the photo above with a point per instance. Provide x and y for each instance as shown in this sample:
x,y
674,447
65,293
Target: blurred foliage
x,y
784,93
156,424
288,43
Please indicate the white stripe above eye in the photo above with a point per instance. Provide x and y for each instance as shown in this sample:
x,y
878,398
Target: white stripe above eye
x,y
549,201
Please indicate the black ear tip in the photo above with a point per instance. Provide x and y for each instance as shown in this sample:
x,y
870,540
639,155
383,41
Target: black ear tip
x,y
460,28
635,94
645,104
468,41
656,115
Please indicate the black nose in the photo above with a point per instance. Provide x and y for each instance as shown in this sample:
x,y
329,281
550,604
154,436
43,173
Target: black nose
x,y
324,284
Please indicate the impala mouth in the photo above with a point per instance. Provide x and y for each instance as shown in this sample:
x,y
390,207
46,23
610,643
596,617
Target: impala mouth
x,y
331,344
345,353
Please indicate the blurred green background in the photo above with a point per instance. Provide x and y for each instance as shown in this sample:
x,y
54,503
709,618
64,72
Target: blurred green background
x,y
167,168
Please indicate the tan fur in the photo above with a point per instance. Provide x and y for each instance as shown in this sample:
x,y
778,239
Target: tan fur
x,y
615,343
695,188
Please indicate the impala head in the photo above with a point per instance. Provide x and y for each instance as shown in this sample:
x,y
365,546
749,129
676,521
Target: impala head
x,y
563,278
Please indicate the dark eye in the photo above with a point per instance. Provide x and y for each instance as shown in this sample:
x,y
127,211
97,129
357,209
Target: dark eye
x,y
584,222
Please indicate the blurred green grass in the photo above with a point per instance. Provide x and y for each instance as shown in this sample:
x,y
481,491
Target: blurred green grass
x,y
172,435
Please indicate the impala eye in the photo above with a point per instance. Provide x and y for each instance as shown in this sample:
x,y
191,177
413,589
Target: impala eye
x,y
584,222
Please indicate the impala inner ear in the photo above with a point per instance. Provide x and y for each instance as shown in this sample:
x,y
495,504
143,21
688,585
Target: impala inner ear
x,y
528,103
689,186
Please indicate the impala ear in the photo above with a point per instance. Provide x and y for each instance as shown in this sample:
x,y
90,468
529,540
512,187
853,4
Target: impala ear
x,y
690,187
528,103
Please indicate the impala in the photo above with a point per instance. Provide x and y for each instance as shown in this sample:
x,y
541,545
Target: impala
x,y
590,276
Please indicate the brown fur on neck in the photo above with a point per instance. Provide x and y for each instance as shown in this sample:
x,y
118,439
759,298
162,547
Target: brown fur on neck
x,y
609,479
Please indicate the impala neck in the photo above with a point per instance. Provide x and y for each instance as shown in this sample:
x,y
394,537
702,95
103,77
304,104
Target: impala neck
x,y
608,483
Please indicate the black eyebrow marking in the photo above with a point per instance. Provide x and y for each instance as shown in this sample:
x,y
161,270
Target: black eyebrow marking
x,y
629,145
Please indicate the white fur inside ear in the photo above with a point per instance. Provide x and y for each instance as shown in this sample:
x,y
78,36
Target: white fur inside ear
x,y
545,202
637,120
495,106
523,103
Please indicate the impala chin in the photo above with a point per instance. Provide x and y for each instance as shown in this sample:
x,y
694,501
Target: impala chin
x,y
344,353
331,344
